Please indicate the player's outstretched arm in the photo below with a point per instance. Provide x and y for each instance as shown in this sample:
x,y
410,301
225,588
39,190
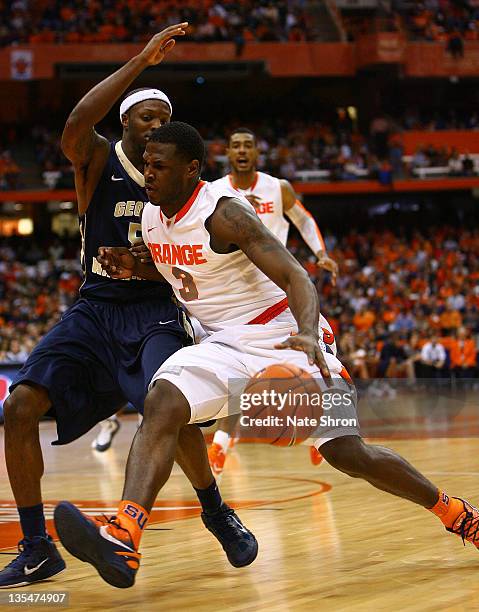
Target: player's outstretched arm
x,y
234,223
308,228
83,146
120,263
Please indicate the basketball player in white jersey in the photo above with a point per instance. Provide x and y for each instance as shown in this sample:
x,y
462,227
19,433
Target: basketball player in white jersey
x,y
251,296
272,198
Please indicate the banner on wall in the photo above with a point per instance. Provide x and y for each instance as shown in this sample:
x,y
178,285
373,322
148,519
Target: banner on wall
x,y
21,64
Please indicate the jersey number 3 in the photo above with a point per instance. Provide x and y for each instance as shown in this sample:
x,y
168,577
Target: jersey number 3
x,y
189,290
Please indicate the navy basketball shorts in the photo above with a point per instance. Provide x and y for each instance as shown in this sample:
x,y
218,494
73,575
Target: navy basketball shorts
x,y
100,356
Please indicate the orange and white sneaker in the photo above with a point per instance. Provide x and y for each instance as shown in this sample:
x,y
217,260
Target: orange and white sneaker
x,y
466,524
315,456
103,542
217,458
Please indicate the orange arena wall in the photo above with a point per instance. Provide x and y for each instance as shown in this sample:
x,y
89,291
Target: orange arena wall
x,y
326,188
462,140
282,59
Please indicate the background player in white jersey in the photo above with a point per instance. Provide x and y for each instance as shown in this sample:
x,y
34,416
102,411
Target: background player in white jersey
x,y
272,198
204,240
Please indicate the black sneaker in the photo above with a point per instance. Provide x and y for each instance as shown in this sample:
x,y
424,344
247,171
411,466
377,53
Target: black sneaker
x,y
239,543
38,559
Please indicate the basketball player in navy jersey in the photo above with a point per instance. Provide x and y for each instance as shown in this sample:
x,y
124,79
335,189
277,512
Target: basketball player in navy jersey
x,y
107,347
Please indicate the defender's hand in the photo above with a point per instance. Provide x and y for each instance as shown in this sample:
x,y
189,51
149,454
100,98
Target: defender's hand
x,y
326,263
162,43
117,262
308,343
140,250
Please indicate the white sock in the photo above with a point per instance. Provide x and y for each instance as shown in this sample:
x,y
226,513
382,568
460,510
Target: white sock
x,y
222,438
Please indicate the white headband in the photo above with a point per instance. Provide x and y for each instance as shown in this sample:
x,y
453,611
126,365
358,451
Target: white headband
x,y
143,94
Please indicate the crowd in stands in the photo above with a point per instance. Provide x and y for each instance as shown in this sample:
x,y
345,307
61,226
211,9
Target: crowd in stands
x,y
447,21
55,170
239,21
118,21
342,152
397,299
397,293
335,147
450,22
37,284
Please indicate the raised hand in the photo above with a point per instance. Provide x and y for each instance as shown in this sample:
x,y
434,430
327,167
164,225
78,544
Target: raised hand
x,y
162,43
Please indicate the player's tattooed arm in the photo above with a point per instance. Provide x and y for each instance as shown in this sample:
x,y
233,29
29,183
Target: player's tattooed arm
x,y
234,223
120,263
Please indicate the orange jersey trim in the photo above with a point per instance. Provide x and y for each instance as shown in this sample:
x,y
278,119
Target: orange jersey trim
x,y
270,313
186,207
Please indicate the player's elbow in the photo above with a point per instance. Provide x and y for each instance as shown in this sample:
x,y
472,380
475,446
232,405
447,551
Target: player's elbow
x,y
68,137
73,131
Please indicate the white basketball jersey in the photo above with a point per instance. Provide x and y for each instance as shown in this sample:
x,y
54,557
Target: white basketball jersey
x,y
267,189
220,290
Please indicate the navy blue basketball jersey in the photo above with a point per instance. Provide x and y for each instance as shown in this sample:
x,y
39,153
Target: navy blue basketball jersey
x,y
113,218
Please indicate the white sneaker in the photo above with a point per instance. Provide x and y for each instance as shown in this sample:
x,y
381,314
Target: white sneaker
x,y
108,429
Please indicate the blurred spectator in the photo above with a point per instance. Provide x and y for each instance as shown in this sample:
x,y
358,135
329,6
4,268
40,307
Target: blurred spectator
x,y
9,171
455,44
467,165
392,358
433,358
463,355
16,354
455,164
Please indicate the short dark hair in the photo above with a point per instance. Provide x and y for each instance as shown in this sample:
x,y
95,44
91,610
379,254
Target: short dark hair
x,y
243,130
185,137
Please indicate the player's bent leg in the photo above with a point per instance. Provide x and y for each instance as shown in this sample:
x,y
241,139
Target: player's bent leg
x,y
388,471
192,457
381,467
38,558
112,546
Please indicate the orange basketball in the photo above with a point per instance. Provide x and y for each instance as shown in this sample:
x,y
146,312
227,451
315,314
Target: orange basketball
x,y
284,405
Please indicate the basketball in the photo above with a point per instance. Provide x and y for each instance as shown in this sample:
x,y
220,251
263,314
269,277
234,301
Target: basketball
x,y
285,404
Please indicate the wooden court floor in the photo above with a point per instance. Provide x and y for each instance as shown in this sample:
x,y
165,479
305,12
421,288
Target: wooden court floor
x,y
327,542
